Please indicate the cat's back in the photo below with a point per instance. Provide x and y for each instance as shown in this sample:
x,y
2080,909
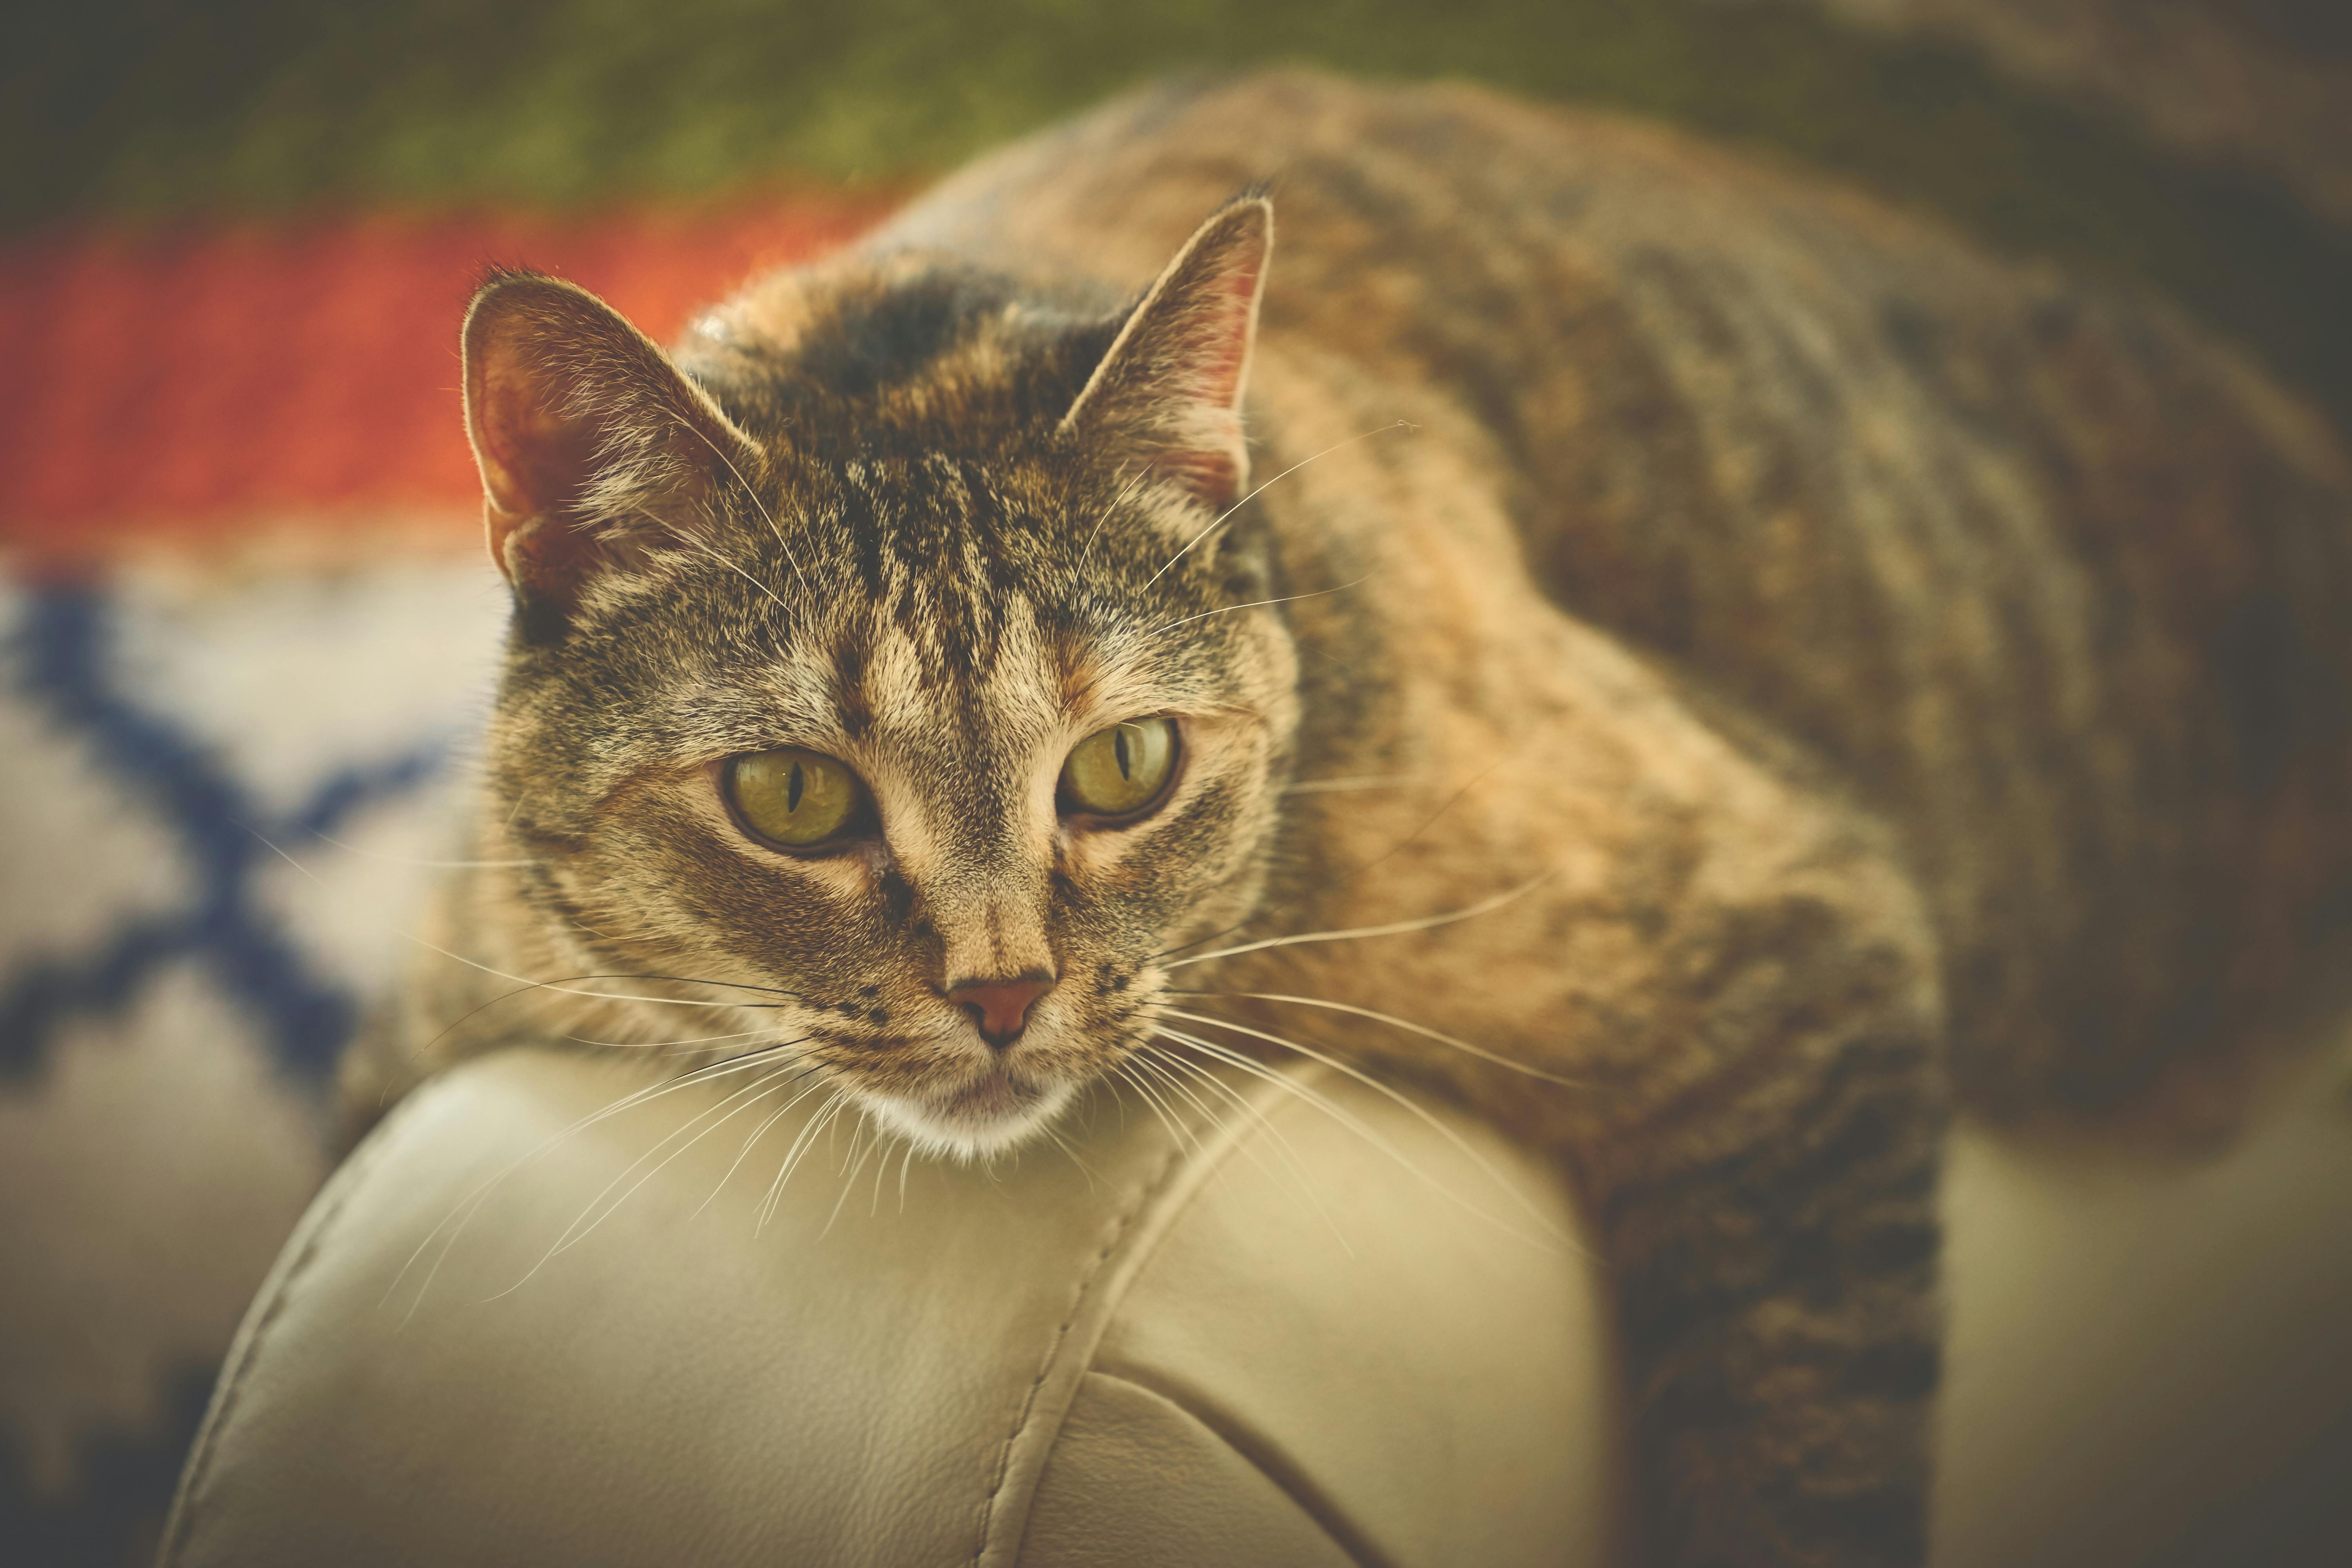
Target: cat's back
x,y
2053,580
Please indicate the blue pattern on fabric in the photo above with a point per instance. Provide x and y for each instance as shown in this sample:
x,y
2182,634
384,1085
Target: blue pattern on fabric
x,y
63,648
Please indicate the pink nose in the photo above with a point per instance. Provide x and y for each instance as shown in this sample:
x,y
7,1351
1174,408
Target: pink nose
x,y
1001,1008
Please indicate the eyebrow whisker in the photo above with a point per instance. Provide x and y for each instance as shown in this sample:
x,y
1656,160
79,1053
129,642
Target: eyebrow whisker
x,y
1115,501
1218,521
1394,928
792,559
683,537
1259,604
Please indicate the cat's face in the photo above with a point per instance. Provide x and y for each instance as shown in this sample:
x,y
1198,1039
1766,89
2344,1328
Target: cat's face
x,y
923,754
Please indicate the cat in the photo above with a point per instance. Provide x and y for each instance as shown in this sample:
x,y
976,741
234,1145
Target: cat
x,y
1785,674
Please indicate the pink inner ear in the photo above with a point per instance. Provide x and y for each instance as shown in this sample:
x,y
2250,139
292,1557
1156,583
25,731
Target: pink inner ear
x,y
1226,355
534,464
1214,469
1171,384
539,460
534,467
1213,476
554,383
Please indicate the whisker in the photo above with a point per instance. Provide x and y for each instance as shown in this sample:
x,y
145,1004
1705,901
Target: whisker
x,y
1175,1131
686,537
1382,430
830,1130
463,1210
1215,1121
1361,781
1142,1059
352,848
858,1149
1398,928
704,1039
1064,1145
1356,874
756,1089
1410,1105
1284,1148
782,543
692,979
1115,502
1284,1083
1406,1023
1356,1125
279,853
1228,931
582,1226
1256,604
881,1169
760,1132
802,1140
798,1151
527,983
1168,1061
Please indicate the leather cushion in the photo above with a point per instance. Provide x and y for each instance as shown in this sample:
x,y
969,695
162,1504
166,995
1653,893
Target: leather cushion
x,y
1285,1339
1306,1336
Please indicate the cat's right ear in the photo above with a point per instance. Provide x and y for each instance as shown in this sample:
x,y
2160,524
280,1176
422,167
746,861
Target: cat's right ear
x,y
595,449
1168,390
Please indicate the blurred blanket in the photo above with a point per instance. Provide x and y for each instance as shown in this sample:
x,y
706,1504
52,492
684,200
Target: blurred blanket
x,y
219,778
220,790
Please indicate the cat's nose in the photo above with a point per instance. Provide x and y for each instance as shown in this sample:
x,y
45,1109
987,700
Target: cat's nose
x,y
1001,1008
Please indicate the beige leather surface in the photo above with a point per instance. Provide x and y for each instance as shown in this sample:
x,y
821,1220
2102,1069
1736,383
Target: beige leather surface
x,y
1289,1341
1285,1340
2150,1362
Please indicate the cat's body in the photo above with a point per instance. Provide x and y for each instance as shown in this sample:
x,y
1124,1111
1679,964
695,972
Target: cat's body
x,y
1829,665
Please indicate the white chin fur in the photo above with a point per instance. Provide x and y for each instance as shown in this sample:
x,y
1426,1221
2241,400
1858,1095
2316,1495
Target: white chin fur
x,y
966,1136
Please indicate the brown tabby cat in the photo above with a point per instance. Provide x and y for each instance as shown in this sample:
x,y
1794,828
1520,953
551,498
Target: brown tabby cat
x,y
1825,667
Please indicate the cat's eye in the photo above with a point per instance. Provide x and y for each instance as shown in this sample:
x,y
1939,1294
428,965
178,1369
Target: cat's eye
x,y
1120,771
795,798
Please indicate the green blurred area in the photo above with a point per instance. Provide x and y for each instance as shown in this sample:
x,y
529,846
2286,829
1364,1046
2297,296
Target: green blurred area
x,y
140,108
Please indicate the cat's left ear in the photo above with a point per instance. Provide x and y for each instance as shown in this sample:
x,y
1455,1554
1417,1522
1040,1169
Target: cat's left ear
x,y
595,450
1171,385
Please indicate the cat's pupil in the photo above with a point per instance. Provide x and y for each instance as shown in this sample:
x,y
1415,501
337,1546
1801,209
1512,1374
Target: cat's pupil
x,y
1119,744
792,788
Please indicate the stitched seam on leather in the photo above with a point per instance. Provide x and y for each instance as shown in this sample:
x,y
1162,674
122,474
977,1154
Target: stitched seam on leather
x,y
347,1183
1318,1510
1144,1202
1285,1479
1229,1139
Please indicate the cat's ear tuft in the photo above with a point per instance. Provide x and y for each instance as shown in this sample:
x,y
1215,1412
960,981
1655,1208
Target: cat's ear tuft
x,y
1170,384
595,449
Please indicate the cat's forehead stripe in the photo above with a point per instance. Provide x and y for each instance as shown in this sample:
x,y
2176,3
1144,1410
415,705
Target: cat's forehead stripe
x,y
849,692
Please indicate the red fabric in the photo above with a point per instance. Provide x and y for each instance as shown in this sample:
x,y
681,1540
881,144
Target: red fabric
x,y
193,382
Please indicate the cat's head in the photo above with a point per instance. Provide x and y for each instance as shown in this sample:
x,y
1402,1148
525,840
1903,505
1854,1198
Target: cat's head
x,y
905,666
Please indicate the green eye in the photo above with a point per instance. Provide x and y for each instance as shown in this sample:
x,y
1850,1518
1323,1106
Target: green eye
x,y
794,797
1121,770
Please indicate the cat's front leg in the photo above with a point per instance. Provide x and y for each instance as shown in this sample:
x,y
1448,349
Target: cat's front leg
x,y
1776,1283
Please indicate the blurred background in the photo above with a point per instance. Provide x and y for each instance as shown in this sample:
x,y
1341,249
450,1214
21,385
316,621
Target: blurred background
x,y
236,233
245,621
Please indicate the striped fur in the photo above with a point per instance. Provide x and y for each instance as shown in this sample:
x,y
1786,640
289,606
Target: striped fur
x,y
1871,669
